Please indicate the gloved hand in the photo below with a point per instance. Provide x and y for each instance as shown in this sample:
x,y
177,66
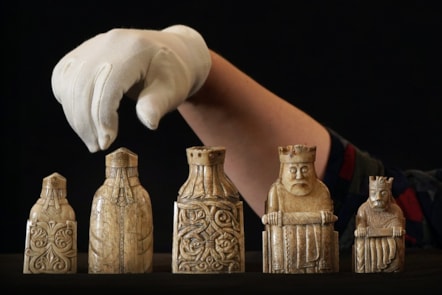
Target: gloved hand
x,y
159,69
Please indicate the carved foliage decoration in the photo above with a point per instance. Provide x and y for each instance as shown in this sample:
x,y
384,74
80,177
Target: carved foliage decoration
x,y
51,231
208,218
51,247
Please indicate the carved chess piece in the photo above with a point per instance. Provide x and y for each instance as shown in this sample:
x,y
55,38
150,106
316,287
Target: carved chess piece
x,y
121,226
299,234
379,244
208,232
51,231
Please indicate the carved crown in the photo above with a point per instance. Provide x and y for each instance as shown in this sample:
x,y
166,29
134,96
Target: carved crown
x,y
122,158
380,182
298,153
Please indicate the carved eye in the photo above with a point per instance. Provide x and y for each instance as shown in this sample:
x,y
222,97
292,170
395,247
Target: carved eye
x,y
384,193
293,170
304,169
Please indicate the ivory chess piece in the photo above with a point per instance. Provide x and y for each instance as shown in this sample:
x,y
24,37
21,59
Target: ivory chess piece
x,y
121,225
208,232
299,235
51,231
379,244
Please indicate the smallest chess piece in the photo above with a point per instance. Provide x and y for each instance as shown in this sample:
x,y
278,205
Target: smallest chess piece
x,y
379,244
51,231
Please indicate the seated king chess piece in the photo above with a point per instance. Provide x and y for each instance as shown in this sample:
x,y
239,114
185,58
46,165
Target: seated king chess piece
x,y
379,244
299,235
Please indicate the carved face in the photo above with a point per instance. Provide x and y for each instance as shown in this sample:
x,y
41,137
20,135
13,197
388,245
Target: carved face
x,y
298,178
379,198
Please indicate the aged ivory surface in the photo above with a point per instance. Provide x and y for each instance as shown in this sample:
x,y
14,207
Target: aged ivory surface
x,y
299,235
208,229
379,244
51,231
121,225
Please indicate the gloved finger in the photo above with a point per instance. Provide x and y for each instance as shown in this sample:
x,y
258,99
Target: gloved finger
x,y
106,99
73,93
88,107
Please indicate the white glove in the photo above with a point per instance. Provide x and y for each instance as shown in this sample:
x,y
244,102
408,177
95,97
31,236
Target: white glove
x,y
159,69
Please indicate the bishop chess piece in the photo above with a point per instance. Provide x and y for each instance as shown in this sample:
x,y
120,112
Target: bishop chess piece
x,y
121,226
299,234
208,228
379,244
51,231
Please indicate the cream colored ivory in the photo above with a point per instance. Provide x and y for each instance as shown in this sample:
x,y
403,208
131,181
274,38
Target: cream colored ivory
x,y
51,231
121,226
208,229
299,235
379,244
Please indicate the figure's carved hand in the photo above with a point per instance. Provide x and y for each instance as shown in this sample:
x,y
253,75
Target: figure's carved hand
x,y
360,232
327,217
397,231
273,218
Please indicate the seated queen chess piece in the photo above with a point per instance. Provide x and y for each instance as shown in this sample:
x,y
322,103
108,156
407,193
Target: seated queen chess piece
x,y
299,235
51,231
121,225
379,244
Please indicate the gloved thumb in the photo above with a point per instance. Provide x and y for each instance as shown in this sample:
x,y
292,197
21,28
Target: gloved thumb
x,y
154,102
169,82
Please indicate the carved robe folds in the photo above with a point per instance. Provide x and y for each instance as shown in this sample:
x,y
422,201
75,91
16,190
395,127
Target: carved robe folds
x,y
300,242
380,248
299,234
121,225
379,244
379,251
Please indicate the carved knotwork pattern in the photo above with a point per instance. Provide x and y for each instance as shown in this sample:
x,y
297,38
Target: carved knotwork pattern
x,y
51,247
209,237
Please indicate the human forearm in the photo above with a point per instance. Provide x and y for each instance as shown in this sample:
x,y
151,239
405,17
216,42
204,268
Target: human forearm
x,y
233,110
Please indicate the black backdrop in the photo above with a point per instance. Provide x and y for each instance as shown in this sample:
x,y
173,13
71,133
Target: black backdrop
x,y
371,73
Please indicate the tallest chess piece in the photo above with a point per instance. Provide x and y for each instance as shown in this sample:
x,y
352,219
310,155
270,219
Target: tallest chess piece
x,y
121,226
208,231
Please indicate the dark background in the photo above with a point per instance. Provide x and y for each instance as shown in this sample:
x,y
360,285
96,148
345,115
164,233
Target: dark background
x,y
372,73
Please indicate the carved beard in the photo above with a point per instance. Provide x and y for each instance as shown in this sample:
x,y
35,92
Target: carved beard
x,y
300,188
379,205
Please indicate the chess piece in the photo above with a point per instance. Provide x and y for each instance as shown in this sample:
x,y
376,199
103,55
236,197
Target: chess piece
x,y
121,226
299,234
51,231
379,244
208,229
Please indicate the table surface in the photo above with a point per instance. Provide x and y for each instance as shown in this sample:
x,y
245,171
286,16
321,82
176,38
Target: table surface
x,y
423,272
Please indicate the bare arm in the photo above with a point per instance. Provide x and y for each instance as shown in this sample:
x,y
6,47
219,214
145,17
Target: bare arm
x,y
160,70
234,111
